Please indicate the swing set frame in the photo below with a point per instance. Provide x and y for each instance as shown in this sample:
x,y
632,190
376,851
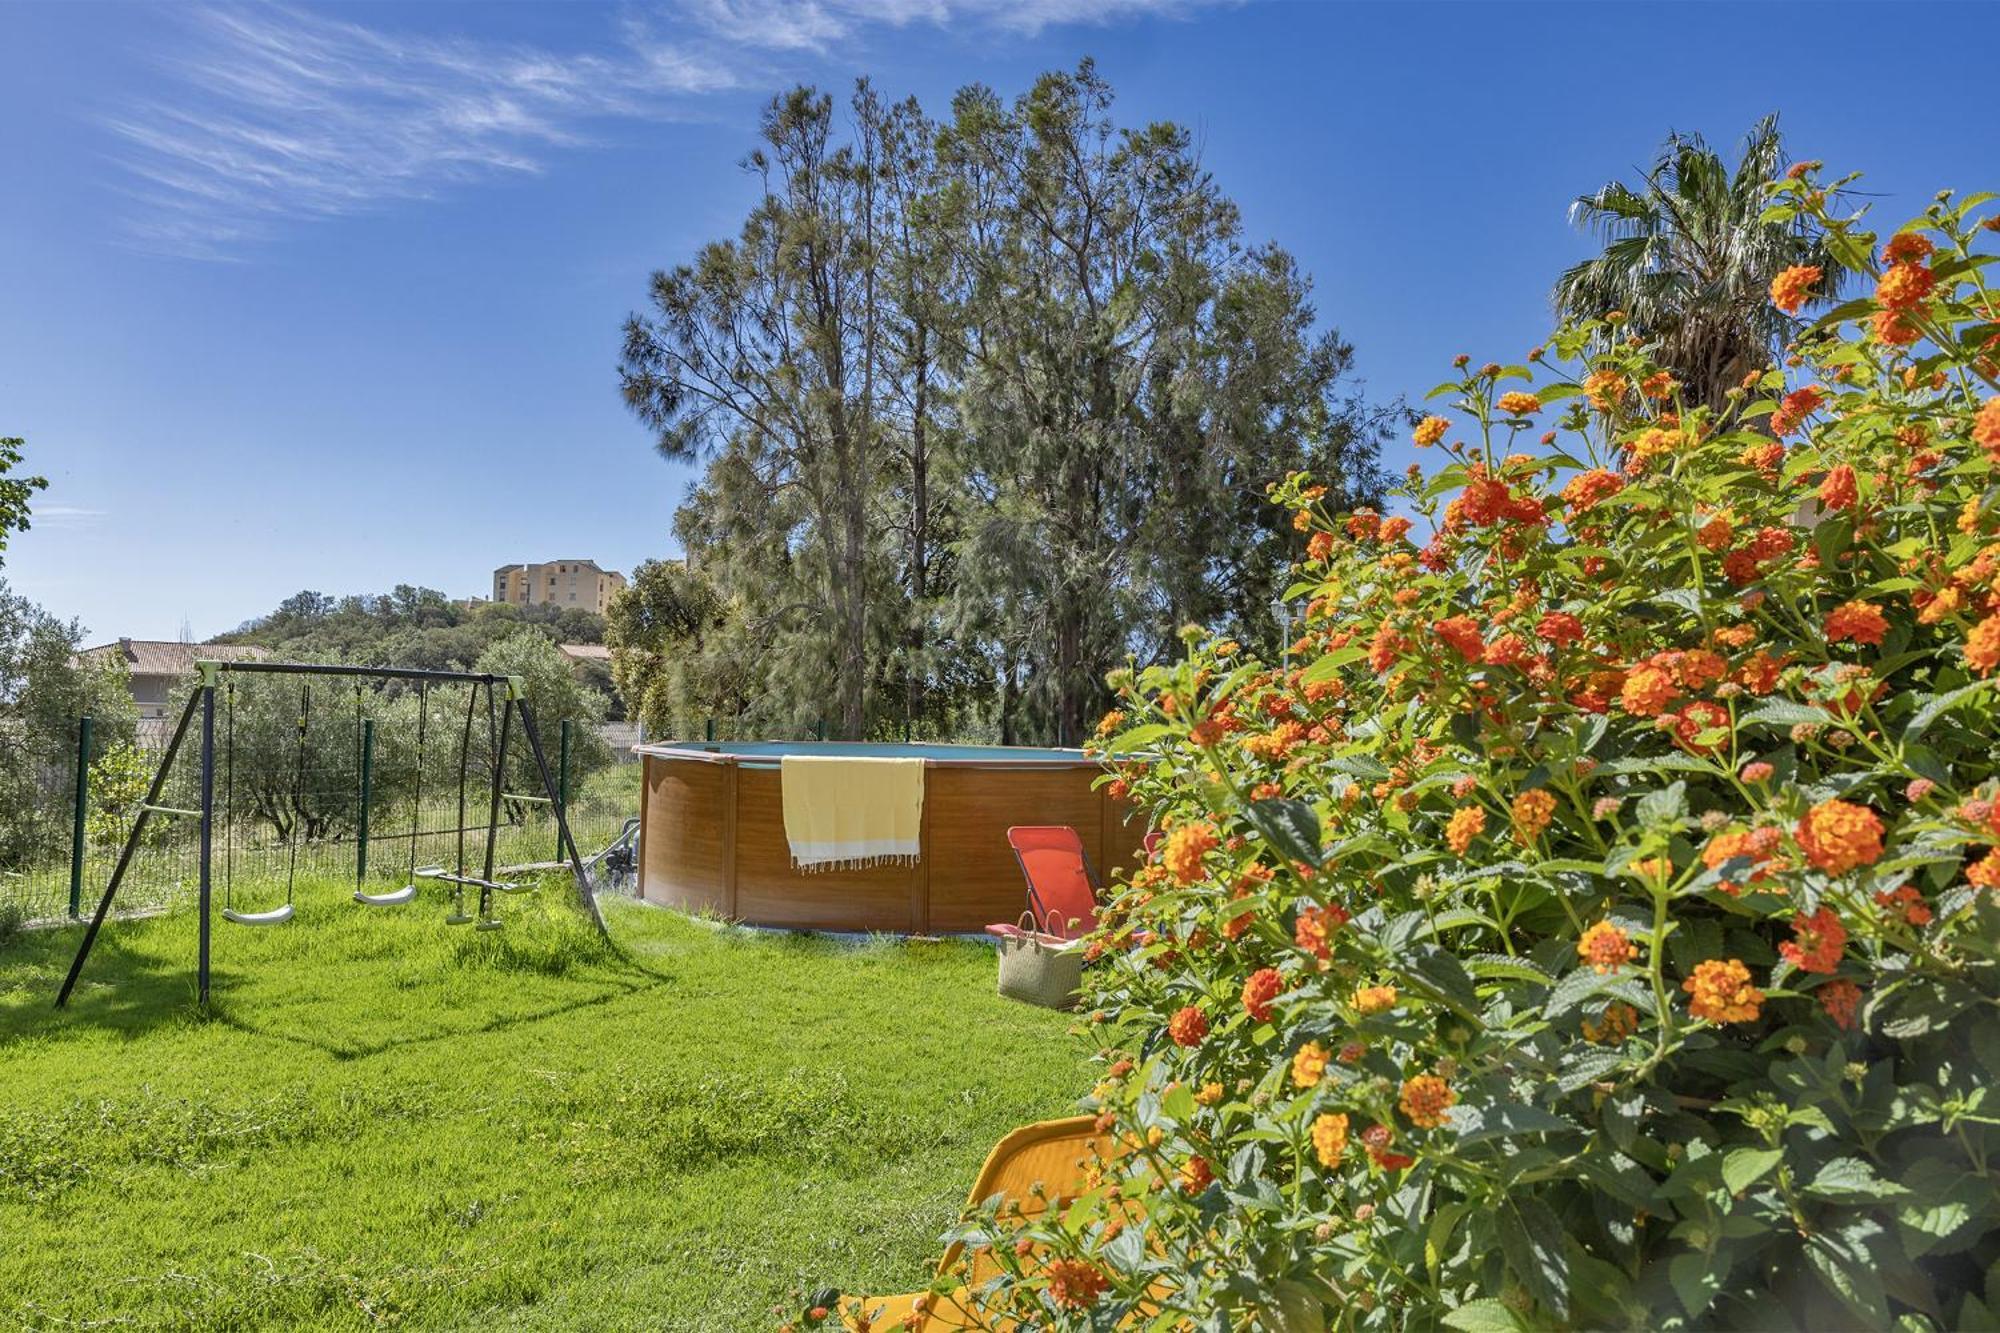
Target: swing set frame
x,y
201,703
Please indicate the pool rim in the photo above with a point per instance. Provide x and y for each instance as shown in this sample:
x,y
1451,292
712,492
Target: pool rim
x,y
713,752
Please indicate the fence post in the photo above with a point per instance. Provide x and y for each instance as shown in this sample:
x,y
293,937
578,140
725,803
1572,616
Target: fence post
x,y
76,827
711,731
562,784
367,784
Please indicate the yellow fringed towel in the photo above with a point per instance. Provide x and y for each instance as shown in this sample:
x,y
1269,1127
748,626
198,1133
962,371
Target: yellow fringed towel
x,y
842,813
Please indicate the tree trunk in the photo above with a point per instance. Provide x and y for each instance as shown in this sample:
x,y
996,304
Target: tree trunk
x,y
919,550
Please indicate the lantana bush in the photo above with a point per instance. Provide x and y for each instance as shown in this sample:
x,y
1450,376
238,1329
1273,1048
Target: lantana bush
x,y
1590,920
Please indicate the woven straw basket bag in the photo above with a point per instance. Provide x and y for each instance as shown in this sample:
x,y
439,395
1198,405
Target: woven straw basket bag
x,y
1039,967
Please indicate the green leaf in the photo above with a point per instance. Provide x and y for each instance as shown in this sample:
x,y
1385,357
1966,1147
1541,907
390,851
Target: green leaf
x,y
1505,1121
1484,1316
1294,1308
1923,1006
1501,967
1785,714
1684,599
1139,737
1575,987
1937,707
1290,826
1744,1167
1587,1064
1843,1261
1667,806
1696,1280
1974,1317
1444,976
1947,1209
1531,1241
1851,1180
1327,666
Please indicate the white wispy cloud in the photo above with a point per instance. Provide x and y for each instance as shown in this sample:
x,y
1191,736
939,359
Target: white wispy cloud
x,y
65,516
270,114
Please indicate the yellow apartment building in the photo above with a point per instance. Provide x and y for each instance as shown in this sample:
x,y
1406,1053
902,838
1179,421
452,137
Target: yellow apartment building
x,y
562,583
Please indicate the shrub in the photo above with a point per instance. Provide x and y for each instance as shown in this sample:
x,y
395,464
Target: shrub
x,y
1592,921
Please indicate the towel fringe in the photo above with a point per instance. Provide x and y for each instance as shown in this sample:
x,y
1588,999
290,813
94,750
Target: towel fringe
x,y
855,863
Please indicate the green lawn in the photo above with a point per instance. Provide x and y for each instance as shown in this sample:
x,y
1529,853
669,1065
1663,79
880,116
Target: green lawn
x,y
383,1121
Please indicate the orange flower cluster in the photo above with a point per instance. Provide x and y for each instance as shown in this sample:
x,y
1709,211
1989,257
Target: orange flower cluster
x,y
1329,1137
1839,836
1309,1065
1186,847
1375,999
1817,943
1466,823
1376,1139
1604,389
1313,931
1795,407
1648,689
1840,489
1606,948
1188,1026
1532,811
1982,646
1986,427
1587,490
1262,986
1074,1284
1906,903
1856,622
1905,286
1617,1022
1425,1099
1759,846
1722,992
1463,636
1841,999
1790,288
1430,430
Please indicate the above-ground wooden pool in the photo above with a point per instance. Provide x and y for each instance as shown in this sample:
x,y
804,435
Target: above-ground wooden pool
x,y
712,836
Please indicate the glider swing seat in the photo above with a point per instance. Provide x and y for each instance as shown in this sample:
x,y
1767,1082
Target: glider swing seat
x,y
458,878
202,703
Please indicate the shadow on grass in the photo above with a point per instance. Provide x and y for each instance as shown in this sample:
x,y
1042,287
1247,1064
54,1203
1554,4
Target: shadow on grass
x,y
125,990
361,1050
141,978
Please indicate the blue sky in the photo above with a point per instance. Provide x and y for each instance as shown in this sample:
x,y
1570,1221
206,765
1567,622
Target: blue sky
x,y
330,297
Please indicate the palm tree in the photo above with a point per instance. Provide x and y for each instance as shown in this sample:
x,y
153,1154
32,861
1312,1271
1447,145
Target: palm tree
x,y
1689,260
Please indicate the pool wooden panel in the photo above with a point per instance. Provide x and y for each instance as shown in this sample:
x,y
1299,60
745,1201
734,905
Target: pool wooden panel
x,y
712,839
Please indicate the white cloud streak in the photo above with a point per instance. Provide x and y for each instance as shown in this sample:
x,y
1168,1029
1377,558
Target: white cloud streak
x,y
271,114
65,516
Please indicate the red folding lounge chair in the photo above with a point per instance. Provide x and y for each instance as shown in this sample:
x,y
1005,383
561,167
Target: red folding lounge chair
x,y
1062,893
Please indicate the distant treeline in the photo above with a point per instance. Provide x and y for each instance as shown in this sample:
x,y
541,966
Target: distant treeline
x,y
418,627
987,404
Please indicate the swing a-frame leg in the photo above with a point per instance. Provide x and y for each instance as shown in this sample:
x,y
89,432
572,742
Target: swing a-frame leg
x,y
202,699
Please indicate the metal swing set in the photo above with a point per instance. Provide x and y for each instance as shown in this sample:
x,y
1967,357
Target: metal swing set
x,y
505,702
